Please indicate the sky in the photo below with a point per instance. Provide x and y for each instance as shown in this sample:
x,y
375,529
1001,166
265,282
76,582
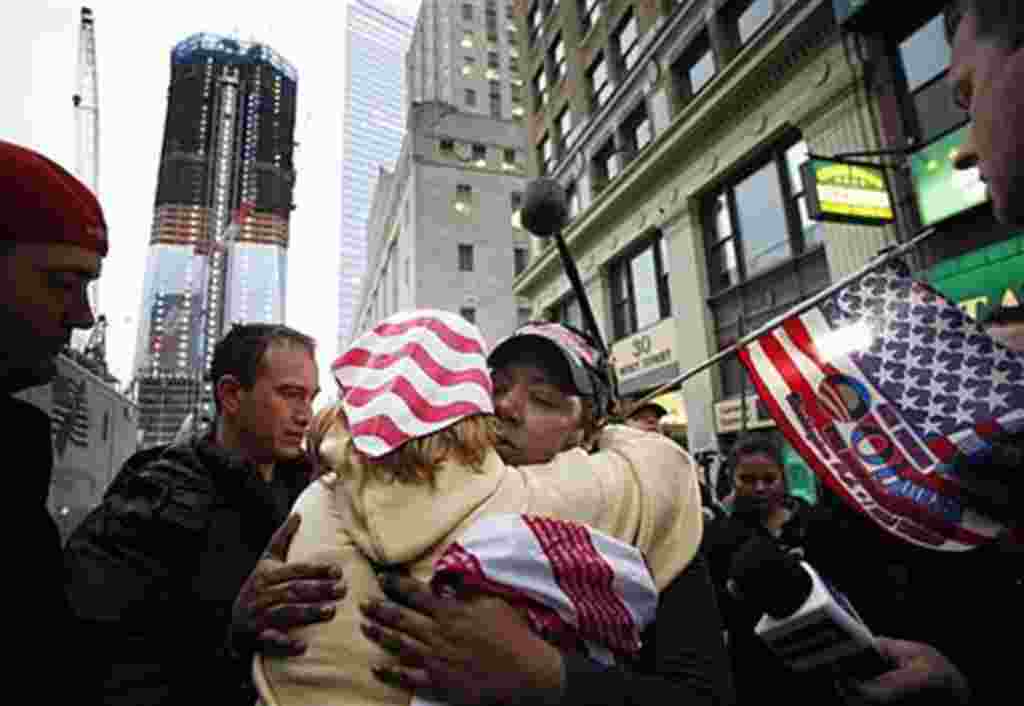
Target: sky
x,y
133,44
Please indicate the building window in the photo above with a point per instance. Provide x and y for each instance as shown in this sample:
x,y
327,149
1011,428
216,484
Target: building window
x,y
509,158
572,198
513,64
491,15
463,198
565,128
470,98
600,86
480,155
495,100
533,18
556,55
759,220
465,258
545,154
811,231
637,131
760,207
467,40
515,92
925,54
492,59
447,146
761,254
591,13
540,87
522,259
640,295
468,313
468,65
924,58
467,12
605,167
753,17
694,69
626,39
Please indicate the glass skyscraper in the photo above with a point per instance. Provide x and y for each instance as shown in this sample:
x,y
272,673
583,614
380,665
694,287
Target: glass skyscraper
x,y
378,37
228,141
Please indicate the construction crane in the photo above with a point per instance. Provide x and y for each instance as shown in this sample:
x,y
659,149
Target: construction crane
x,y
87,132
86,104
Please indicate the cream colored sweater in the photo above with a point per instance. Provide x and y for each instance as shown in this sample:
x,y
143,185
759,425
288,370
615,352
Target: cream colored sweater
x,y
640,488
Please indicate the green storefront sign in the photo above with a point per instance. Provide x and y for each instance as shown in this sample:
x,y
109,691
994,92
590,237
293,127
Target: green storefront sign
x,y
983,279
941,190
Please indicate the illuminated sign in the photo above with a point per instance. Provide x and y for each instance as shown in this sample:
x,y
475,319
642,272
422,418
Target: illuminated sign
x,y
846,192
941,190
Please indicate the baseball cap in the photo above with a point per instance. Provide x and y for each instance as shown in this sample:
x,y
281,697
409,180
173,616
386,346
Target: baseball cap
x,y
42,203
587,369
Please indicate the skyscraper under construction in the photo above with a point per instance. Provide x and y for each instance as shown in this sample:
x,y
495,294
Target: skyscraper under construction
x,y
226,156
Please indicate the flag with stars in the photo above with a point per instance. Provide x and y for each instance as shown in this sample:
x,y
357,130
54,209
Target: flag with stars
x,y
879,387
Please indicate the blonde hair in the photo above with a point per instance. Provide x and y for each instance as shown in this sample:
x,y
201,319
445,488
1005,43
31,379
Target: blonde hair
x,y
327,424
466,442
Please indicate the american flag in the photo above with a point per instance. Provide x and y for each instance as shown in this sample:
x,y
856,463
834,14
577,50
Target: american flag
x,y
575,584
413,374
879,387
69,413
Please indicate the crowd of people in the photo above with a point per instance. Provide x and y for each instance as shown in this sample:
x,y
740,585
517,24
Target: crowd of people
x,y
281,557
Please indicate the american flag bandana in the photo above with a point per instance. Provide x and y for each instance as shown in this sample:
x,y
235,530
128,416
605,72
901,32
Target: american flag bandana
x,y
580,588
564,338
878,388
413,374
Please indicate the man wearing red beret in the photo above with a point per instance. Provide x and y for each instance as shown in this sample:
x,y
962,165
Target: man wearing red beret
x,y
52,241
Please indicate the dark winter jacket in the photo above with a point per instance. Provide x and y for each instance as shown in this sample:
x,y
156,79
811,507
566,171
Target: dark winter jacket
x,y
154,571
966,604
37,557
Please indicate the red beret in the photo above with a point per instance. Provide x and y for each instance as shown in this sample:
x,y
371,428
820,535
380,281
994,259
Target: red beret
x,y
42,203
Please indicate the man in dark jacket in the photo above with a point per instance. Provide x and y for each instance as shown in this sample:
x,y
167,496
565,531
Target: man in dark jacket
x,y
155,568
52,240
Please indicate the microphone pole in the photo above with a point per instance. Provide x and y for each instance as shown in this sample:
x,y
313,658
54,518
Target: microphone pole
x,y
545,212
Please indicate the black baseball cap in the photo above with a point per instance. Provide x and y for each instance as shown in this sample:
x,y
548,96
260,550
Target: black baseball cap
x,y
582,359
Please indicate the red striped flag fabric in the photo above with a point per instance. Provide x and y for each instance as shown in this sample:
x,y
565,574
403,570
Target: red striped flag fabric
x,y
579,587
413,374
879,387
